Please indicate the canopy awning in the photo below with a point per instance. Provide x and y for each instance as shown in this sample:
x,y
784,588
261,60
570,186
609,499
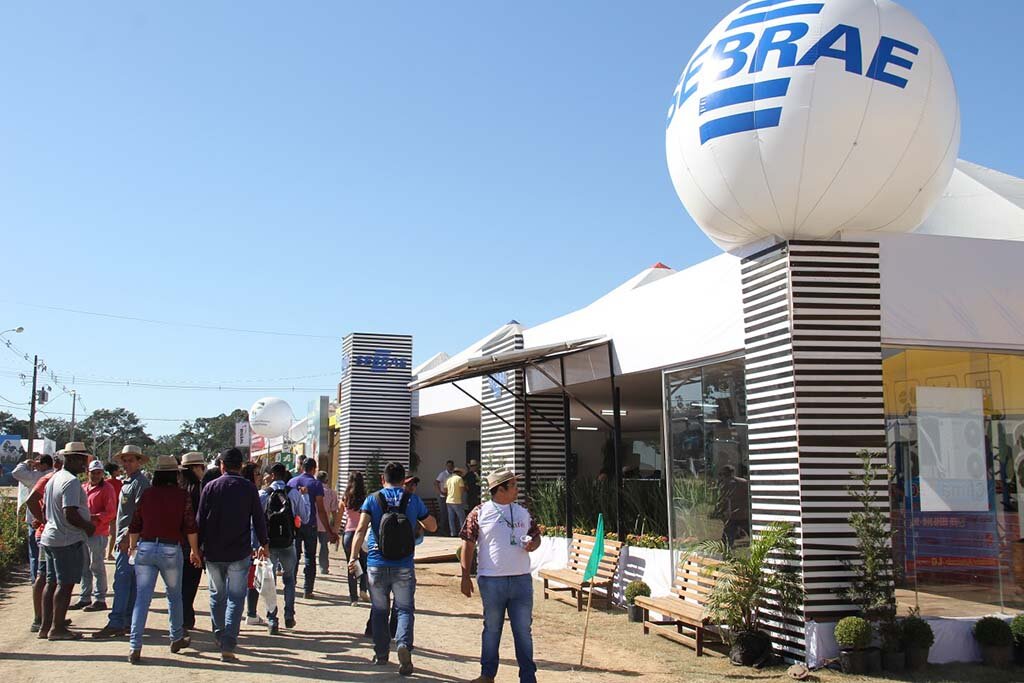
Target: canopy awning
x,y
510,360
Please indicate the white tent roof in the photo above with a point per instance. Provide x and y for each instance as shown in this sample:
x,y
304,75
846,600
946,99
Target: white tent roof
x,y
979,202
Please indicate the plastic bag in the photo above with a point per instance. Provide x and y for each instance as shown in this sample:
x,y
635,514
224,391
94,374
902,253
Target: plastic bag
x,y
264,584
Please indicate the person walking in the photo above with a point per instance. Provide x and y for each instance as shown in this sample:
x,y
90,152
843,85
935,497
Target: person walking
x,y
250,471
193,466
306,538
506,533
355,494
440,484
390,516
113,478
323,532
102,502
27,473
67,527
131,459
162,520
229,510
283,506
456,501
472,479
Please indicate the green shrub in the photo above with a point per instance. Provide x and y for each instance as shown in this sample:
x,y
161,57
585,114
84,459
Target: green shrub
x,y
917,633
853,633
1017,627
13,534
635,588
992,631
644,505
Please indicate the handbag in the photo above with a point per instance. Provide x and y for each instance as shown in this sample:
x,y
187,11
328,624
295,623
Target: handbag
x,y
264,584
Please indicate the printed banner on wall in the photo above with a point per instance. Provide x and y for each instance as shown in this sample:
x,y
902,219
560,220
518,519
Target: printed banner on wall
x,y
951,450
11,454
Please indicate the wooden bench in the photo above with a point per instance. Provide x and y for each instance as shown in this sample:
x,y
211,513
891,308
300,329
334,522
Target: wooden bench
x,y
572,575
685,607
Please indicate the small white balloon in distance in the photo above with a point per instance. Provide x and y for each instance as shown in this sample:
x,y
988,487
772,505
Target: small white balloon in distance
x,y
797,120
270,417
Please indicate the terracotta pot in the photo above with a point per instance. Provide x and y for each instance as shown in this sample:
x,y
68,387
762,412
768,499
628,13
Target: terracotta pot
x,y
636,614
997,655
852,661
894,662
917,658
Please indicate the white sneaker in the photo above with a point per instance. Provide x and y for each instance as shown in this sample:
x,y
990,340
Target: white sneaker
x,y
255,621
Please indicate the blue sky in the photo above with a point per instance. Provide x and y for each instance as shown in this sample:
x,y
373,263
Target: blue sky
x,y
426,168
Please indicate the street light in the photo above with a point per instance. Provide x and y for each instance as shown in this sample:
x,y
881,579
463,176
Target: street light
x,y
16,330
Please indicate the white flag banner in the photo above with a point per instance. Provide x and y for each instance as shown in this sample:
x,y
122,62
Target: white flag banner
x,y
243,435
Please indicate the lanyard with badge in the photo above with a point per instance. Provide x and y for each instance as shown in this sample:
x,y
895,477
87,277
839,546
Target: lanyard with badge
x,y
510,523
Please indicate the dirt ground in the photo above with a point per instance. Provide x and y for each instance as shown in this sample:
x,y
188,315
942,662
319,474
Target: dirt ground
x,y
327,644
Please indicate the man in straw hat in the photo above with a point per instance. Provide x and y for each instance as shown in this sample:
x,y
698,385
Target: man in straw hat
x,y
67,527
193,467
131,459
506,533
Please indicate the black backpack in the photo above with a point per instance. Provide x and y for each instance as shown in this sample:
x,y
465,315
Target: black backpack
x,y
395,537
280,520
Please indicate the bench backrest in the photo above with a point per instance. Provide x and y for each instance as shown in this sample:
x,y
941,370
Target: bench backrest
x,y
695,578
579,556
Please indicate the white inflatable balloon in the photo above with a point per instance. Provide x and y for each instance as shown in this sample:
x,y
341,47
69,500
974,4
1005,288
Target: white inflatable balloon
x,y
800,119
270,417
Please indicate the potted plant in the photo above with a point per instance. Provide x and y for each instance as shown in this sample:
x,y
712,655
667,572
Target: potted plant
x,y
1017,627
748,582
894,659
996,641
853,635
917,641
633,589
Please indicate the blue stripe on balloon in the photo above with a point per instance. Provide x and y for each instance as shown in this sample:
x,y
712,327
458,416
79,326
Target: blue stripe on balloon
x,y
738,123
744,93
761,17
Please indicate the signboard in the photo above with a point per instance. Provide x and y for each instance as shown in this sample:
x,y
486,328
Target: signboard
x,y
243,434
11,454
951,450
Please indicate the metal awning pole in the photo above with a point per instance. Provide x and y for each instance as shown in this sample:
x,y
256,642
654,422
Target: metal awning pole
x,y
570,467
485,406
526,403
527,478
620,480
571,395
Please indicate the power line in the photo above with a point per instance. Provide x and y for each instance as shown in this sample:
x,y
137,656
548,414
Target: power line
x,y
199,326
143,419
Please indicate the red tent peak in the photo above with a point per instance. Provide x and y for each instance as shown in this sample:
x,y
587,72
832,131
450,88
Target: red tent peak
x,y
659,264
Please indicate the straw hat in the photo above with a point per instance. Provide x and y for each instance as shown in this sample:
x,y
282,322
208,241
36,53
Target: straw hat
x,y
73,447
166,463
192,458
130,450
499,477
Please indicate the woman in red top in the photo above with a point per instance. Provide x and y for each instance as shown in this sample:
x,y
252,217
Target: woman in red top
x,y
163,519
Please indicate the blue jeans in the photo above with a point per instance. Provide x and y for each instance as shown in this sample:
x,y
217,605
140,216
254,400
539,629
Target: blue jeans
x,y
124,593
229,582
456,518
94,572
286,558
164,559
33,554
305,539
385,582
512,594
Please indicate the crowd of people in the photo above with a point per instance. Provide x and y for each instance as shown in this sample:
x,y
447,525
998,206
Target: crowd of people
x,y
232,518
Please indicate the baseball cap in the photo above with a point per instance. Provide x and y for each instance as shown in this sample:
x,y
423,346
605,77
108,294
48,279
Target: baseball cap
x,y
95,465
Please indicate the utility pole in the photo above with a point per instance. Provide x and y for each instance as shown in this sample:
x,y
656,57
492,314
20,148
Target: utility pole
x,y
74,401
32,410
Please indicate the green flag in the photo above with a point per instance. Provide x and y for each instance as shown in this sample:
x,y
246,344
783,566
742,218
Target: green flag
x,y
595,555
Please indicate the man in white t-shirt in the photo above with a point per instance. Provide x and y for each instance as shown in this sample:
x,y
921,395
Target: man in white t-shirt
x,y
506,534
441,485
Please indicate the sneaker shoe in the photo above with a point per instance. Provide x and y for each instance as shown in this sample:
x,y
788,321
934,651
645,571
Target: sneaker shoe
x,y
325,571
79,605
289,623
272,629
308,595
181,644
379,661
135,656
108,632
354,602
255,621
34,628
228,656
404,660
95,607
483,679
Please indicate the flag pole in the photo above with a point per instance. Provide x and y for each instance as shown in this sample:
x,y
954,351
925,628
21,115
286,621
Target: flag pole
x,y
586,622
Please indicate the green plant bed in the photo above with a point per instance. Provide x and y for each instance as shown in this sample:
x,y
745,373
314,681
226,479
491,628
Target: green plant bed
x,y
13,535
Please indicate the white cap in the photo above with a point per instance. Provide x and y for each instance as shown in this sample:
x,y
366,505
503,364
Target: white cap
x,y
95,465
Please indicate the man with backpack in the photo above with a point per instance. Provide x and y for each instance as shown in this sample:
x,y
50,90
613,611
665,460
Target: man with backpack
x,y
285,508
391,517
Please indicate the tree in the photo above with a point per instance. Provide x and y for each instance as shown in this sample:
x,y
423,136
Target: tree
x,y
56,428
118,426
9,424
209,434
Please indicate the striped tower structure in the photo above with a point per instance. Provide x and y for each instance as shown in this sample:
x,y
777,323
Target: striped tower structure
x,y
542,456
812,316
376,404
